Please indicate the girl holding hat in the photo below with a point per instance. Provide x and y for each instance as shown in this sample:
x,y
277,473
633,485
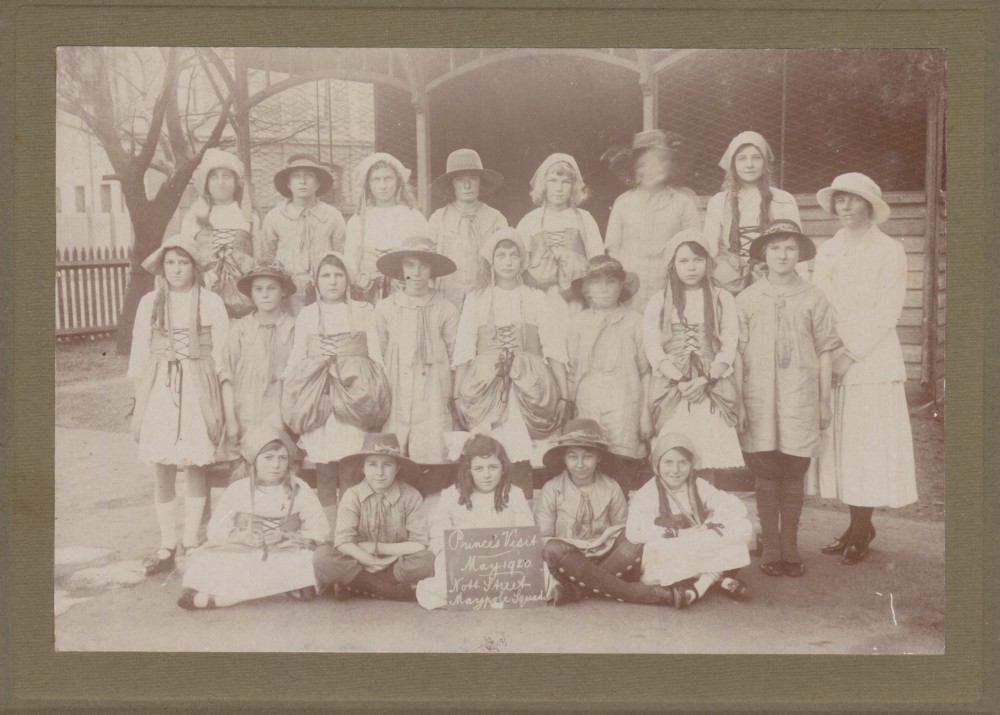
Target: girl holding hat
x,y
691,333
416,329
646,216
460,227
224,226
335,389
608,373
301,229
510,359
787,338
694,535
559,235
863,273
181,410
386,217
259,346
581,515
737,214
262,534
480,498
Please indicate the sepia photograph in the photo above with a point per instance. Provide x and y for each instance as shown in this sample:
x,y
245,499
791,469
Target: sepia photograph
x,y
500,350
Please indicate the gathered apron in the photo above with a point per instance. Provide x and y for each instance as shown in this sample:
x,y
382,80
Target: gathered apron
x,y
557,258
337,377
691,349
509,362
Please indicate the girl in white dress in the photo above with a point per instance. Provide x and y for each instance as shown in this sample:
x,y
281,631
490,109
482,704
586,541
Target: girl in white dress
x,y
559,235
181,410
386,217
480,498
691,333
693,533
262,534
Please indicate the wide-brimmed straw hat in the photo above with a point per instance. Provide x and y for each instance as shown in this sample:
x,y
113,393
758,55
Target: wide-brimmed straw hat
x,y
666,442
303,161
783,228
417,246
504,234
154,261
859,185
381,444
602,265
743,139
580,433
216,159
466,161
268,269
259,437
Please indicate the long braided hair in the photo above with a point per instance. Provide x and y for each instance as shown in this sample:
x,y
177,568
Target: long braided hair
x,y
483,446
678,293
731,185
159,316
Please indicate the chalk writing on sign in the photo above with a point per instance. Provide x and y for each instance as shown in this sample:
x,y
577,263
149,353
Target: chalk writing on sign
x,y
494,568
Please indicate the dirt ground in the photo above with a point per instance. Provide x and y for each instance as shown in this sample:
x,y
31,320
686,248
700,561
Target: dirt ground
x,y
892,603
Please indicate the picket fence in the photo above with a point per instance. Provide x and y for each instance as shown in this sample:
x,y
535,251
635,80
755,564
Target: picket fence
x,y
90,290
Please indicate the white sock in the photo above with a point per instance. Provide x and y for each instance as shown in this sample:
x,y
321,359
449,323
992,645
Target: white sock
x,y
168,527
193,509
705,581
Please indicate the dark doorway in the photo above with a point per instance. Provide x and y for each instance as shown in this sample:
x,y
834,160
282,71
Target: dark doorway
x,y
516,112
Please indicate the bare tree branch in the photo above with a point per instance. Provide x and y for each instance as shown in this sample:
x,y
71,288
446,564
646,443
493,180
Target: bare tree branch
x,y
168,93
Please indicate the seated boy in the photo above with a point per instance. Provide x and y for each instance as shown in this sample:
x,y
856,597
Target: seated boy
x,y
380,544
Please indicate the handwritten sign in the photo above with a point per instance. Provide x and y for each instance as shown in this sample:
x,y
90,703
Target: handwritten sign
x,y
494,568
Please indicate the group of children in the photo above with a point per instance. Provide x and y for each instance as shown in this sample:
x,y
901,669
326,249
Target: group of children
x,y
553,358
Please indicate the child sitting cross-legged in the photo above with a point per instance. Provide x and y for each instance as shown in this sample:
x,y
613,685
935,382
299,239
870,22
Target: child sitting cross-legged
x,y
581,515
694,535
262,532
379,547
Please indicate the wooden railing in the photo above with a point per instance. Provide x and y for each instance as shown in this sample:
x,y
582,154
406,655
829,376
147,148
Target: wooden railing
x,y
90,290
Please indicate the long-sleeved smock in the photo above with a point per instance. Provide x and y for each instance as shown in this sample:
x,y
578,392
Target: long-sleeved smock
x,y
783,331
298,238
417,339
509,390
558,512
459,236
256,356
864,278
374,232
732,266
607,364
341,337
178,401
433,592
669,556
225,568
640,225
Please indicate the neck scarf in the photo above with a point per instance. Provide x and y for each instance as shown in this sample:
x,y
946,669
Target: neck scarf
x,y
583,525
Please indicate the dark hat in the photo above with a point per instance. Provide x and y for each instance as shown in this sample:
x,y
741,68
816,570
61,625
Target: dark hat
x,y
579,433
466,161
602,265
783,228
302,161
383,444
267,269
655,139
418,246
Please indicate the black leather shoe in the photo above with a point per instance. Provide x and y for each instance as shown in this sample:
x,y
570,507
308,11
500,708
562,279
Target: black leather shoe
x,y
837,546
854,554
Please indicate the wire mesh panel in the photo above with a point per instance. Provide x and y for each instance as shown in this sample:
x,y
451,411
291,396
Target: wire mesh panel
x,y
338,122
824,112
